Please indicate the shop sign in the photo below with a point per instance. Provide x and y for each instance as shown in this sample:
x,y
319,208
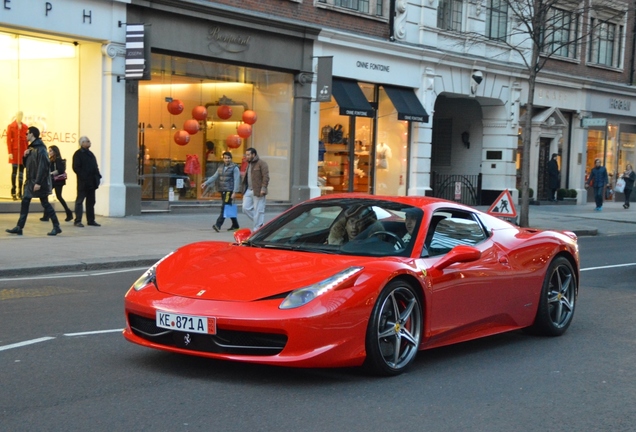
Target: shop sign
x,y
226,41
135,60
593,122
324,80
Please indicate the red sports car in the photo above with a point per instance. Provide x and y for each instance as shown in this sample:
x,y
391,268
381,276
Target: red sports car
x,y
347,280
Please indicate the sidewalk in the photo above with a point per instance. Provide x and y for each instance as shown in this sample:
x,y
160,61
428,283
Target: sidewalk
x,y
141,240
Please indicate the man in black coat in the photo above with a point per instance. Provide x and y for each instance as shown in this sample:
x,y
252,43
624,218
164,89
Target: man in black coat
x,y
553,176
38,182
88,178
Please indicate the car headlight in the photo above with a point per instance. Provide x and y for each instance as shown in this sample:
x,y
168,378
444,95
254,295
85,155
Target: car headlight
x,y
304,295
149,276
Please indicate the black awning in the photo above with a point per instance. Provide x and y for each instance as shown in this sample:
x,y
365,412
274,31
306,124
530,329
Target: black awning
x,y
350,98
407,104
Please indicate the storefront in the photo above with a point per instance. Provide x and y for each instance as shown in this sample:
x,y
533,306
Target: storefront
x,y
58,75
240,84
365,133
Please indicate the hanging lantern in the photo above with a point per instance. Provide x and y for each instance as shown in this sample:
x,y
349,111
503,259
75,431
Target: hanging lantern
x,y
181,137
233,141
200,112
224,112
249,117
191,126
244,130
175,107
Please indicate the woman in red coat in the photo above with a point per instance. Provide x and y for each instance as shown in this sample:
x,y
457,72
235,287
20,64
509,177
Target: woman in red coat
x,y
17,143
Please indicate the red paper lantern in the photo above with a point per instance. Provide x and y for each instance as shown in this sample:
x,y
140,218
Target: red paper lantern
x,y
224,112
233,141
249,117
244,130
191,126
181,137
200,112
175,107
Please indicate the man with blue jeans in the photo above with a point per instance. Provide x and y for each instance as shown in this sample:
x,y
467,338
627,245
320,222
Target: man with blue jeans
x,y
599,180
255,186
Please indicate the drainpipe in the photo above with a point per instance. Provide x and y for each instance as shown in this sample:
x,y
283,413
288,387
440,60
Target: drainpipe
x,y
392,22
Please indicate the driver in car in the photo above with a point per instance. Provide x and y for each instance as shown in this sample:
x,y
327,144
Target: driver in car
x,y
356,220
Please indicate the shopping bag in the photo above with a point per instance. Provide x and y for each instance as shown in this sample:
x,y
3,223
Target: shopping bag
x,y
620,185
230,211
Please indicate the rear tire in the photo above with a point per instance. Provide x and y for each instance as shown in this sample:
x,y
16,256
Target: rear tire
x,y
557,299
394,331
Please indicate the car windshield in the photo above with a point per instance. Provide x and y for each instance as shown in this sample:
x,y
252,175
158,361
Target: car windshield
x,y
344,226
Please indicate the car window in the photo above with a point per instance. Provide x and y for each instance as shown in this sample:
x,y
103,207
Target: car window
x,y
448,230
348,226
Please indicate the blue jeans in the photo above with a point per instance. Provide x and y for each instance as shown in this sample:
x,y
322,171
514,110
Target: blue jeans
x,y
598,196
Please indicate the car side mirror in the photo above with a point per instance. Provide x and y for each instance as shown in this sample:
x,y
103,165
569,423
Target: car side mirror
x,y
241,235
459,253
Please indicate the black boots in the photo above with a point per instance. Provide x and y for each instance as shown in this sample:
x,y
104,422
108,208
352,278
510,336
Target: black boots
x,y
69,216
17,230
56,230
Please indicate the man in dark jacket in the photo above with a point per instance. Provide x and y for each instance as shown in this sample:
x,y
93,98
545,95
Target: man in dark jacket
x,y
598,179
88,178
553,176
38,182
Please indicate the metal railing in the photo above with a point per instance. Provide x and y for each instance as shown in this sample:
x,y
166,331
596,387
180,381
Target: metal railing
x,y
465,189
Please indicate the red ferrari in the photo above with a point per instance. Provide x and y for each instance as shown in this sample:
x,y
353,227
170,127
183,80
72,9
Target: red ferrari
x,y
352,280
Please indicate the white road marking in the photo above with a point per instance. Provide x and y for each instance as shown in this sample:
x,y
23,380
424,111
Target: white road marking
x,y
94,332
25,343
76,275
608,266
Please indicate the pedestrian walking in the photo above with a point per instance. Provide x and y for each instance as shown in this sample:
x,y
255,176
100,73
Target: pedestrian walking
x,y
629,176
37,184
88,179
58,179
255,186
553,176
599,180
228,180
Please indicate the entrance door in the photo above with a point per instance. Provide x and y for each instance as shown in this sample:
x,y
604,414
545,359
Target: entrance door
x,y
543,192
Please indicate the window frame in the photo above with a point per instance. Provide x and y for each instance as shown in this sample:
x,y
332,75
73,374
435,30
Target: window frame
x,y
560,33
606,43
450,15
374,8
499,15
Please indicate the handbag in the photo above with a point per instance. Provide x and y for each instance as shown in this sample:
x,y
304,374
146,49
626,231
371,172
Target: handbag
x,y
230,211
60,177
620,185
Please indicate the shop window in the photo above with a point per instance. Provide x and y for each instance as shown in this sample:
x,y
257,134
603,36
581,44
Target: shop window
x,y
497,20
449,14
559,36
227,92
377,8
40,83
606,43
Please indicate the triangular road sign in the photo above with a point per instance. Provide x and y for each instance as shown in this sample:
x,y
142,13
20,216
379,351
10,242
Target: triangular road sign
x,y
503,206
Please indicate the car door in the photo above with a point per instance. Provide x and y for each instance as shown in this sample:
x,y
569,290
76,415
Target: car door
x,y
471,297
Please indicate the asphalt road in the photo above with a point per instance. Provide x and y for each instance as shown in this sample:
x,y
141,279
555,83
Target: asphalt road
x,y
87,377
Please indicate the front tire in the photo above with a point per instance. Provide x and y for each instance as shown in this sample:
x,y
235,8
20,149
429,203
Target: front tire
x,y
557,300
395,330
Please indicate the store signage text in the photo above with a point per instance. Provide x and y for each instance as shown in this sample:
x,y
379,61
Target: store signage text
x,y
373,66
554,95
620,104
87,16
229,42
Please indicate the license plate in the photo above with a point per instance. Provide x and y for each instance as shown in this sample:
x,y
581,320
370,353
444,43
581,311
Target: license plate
x,y
186,323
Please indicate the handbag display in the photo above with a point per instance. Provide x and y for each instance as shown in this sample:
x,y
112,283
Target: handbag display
x,y
60,177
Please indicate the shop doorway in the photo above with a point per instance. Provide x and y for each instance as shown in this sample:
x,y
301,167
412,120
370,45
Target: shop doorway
x,y
543,185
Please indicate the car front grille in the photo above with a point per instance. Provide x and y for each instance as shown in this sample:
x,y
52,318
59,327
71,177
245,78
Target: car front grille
x,y
224,342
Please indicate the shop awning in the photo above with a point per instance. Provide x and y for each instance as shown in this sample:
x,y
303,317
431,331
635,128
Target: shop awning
x,y
350,99
407,104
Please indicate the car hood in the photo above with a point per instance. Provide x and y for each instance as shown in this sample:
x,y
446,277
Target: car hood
x,y
227,272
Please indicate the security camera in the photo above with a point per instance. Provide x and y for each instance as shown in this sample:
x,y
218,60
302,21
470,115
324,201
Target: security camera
x,y
477,77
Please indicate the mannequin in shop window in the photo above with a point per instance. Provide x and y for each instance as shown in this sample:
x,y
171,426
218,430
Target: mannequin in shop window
x,y
17,143
382,156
